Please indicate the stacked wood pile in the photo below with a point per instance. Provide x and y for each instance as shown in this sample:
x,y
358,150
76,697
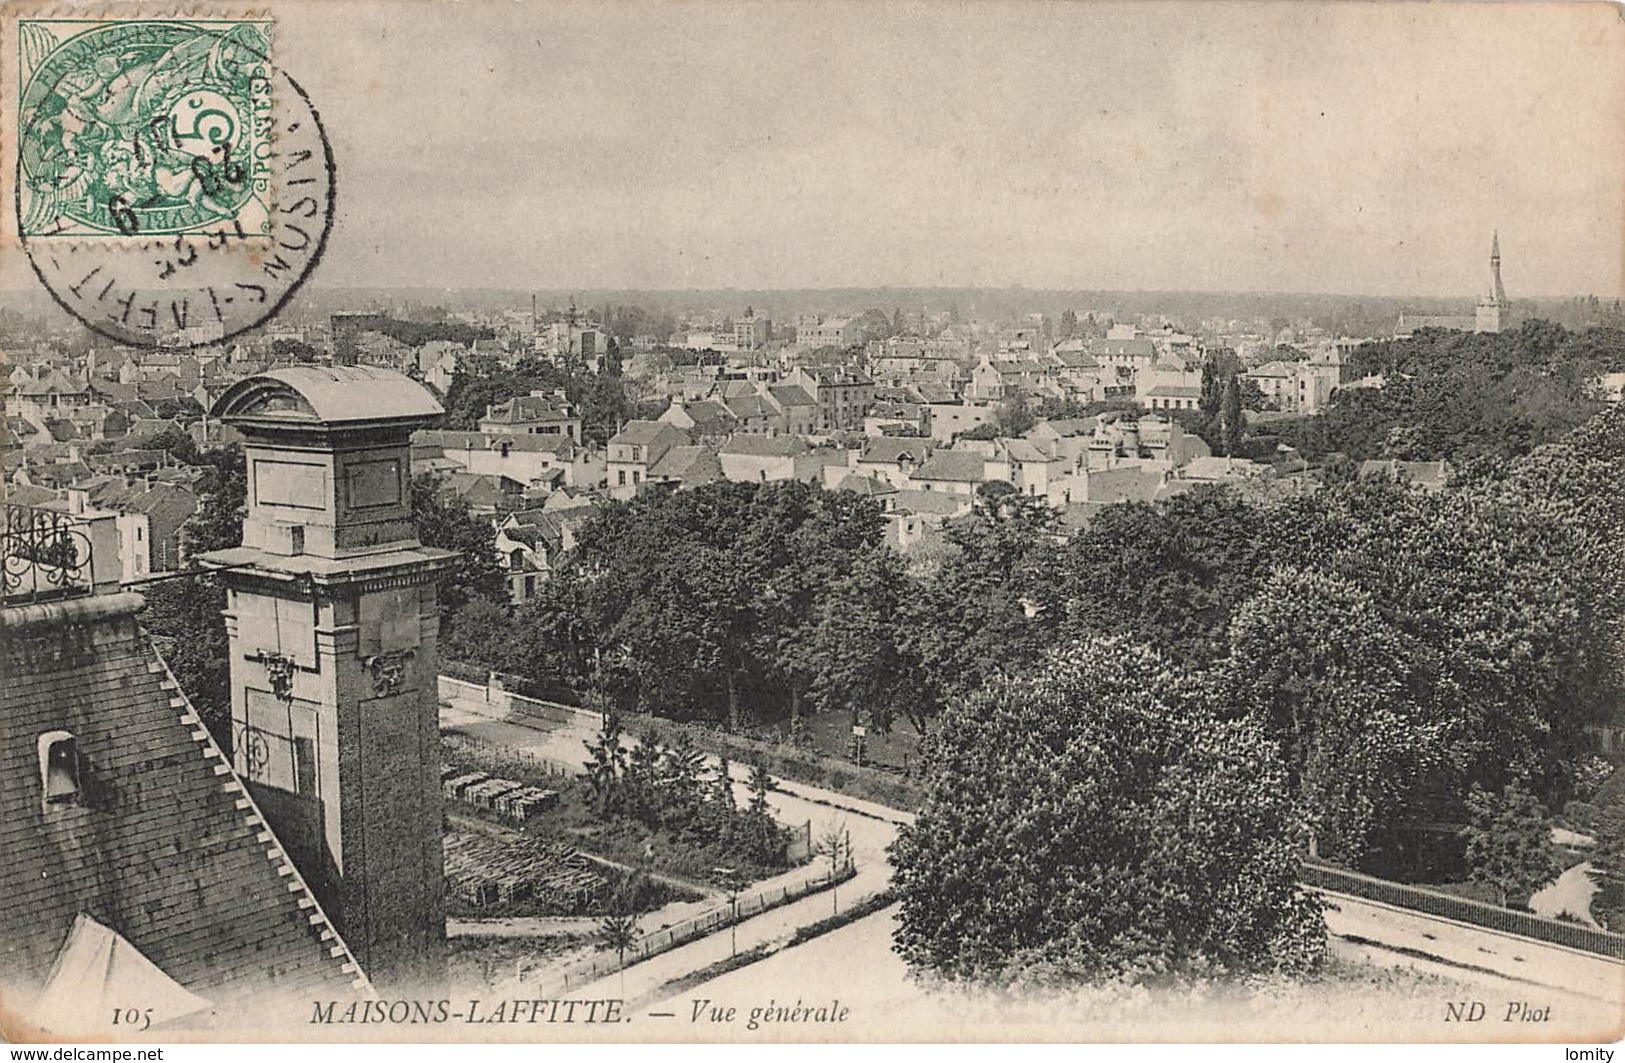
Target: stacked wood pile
x,y
548,878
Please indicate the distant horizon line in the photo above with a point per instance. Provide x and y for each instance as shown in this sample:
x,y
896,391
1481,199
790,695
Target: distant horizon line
x,y
1227,292
1002,289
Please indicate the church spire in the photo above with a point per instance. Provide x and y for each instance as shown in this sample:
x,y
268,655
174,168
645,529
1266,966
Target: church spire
x,y
1497,292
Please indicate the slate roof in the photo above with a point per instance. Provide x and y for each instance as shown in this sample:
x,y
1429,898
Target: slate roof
x,y
1428,474
1211,468
559,444
764,446
791,395
892,449
707,412
165,845
642,433
482,489
59,474
933,391
1128,483
937,503
525,409
151,426
167,505
691,465
114,392
30,495
956,465
545,525
746,406
129,458
1174,391
859,484
1023,451
1068,427
52,380
1139,347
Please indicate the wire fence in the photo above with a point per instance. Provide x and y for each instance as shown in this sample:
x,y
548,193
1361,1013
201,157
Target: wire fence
x,y
504,759
652,944
1431,902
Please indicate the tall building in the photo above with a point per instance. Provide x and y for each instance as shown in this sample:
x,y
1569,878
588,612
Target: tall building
x,y
1494,312
333,623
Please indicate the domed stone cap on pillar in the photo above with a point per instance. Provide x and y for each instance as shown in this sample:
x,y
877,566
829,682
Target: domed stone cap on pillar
x,y
336,396
328,454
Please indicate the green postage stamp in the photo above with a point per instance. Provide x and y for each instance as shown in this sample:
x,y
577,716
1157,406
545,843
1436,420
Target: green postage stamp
x,y
144,127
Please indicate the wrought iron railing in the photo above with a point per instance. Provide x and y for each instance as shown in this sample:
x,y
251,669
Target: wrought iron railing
x,y
47,555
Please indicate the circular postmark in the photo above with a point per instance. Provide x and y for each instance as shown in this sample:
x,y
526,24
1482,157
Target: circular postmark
x,y
173,187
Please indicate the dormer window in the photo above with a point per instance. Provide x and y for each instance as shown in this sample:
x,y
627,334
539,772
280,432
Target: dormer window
x,y
59,768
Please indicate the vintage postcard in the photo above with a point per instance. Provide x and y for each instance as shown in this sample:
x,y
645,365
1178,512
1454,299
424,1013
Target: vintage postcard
x,y
826,522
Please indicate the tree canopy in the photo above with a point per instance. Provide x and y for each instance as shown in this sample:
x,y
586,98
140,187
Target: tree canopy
x,y
1100,819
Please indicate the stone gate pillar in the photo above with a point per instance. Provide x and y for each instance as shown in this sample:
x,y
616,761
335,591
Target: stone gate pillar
x,y
332,617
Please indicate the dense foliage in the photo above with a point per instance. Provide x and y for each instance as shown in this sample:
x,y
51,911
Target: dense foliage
x,y
444,521
670,789
1102,819
1457,395
1398,647
481,382
1509,842
715,603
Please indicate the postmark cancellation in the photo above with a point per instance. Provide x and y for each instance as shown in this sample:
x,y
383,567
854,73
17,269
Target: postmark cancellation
x,y
144,127
173,185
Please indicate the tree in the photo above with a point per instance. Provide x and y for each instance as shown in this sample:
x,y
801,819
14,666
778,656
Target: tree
x,y
720,806
445,521
293,350
766,839
681,782
481,633
1231,426
1344,693
1212,389
606,766
640,781
1096,820
618,929
1496,595
1014,418
1171,575
186,616
218,523
1509,843
835,845
1458,395
713,592
855,650
984,613
175,440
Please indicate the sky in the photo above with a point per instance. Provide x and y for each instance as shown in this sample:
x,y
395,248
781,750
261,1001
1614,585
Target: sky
x,y
1356,148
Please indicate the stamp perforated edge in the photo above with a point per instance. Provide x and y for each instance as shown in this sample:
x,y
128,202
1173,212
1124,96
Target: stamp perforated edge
x,y
11,89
